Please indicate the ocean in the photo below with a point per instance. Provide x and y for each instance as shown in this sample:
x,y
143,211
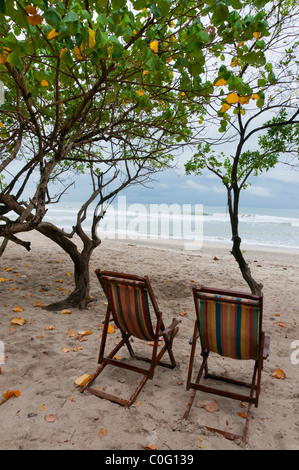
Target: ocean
x,y
257,226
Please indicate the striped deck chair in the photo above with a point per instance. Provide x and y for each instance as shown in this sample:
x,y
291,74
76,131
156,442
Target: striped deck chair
x,y
131,305
230,324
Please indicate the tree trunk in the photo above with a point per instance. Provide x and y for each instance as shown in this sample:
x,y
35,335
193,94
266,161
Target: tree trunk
x,y
233,206
80,297
254,286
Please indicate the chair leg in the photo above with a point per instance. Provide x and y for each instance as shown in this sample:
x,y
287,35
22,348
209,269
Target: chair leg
x,y
190,403
226,434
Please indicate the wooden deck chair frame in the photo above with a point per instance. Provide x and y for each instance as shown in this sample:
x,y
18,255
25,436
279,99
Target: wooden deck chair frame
x,y
261,347
108,279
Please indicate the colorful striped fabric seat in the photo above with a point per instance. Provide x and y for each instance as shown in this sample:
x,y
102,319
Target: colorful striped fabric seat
x,y
228,323
131,302
130,306
229,326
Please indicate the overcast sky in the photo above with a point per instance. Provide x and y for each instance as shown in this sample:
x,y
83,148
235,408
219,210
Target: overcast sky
x,y
279,188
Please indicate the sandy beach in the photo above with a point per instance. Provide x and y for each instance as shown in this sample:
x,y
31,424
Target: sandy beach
x,y
45,355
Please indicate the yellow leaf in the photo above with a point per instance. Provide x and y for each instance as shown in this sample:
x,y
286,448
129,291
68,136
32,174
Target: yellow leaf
x,y
92,40
65,350
3,58
62,51
10,393
140,92
279,374
220,82
102,432
110,329
3,279
41,407
84,333
82,380
78,54
44,83
255,96
35,19
66,312
71,333
244,99
68,274
256,35
2,125
117,358
232,98
225,107
53,34
18,321
240,44
17,309
234,62
138,404
154,46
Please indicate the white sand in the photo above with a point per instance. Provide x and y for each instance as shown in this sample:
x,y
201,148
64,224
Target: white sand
x,y
38,367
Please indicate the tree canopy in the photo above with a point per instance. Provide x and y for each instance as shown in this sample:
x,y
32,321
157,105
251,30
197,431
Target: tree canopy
x,y
82,77
249,133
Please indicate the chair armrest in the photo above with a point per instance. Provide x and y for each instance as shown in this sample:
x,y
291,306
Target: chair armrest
x,y
266,347
175,322
191,339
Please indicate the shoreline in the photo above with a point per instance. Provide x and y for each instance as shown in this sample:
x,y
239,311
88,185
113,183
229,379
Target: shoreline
x,y
251,252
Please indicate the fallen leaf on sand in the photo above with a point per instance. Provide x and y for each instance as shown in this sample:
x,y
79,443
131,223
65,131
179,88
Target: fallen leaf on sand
x,y
66,312
151,343
102,432
279,374
37,303
84,333
110,329
209,405
18,321
281,324
17,309
50,418
10,393
49,328
82,380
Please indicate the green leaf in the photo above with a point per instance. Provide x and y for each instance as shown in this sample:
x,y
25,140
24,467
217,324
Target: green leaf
x,y
254,58
51,17
118,4
71,17
164,6
221,13
102,39
139,4
260,3
2,7
236,4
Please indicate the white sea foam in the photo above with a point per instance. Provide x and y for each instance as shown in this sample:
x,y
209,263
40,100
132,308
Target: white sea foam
x,y
268,227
